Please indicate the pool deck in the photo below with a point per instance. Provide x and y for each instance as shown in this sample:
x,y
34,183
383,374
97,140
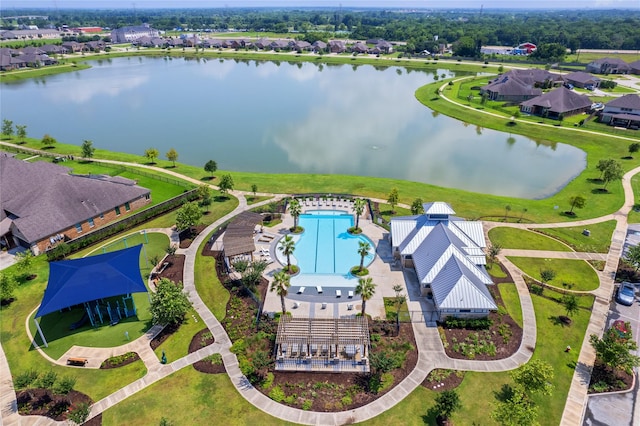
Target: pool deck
x,y
310,304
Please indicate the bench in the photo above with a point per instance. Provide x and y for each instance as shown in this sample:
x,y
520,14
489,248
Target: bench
x,y
81,362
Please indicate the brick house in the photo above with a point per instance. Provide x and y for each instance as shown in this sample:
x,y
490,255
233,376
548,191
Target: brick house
x,y
43,204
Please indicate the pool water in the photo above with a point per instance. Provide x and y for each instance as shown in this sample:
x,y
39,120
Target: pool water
x,y
326,247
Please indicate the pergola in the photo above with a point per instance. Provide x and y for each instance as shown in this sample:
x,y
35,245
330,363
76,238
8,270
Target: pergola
x,y
238,237
323,344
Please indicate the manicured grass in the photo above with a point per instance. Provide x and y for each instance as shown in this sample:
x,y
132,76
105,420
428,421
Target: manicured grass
x,y
253,200
22,357
390,309
569,271
511,300
513,238
495,271
213,294
40,72
385,211
177,345
586,57
597,242
188,397
634,215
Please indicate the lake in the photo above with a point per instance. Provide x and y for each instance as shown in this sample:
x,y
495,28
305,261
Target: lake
x,y
285,118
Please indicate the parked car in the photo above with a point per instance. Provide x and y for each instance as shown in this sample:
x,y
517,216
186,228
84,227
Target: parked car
x,y
626,294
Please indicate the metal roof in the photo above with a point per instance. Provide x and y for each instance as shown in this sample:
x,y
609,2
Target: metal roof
x,y
454,288
437,207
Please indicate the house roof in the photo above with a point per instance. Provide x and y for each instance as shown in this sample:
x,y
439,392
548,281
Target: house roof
x,y
238,237
437,207
612,61
580,77
627,101
635,65
560,100
46,199
456,287
512,85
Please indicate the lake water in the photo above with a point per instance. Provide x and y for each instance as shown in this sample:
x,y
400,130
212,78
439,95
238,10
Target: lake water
x,y
285,118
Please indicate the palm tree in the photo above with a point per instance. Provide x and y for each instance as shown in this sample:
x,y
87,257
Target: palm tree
x,y
363,250
287,247
281,285
358,208
366,288
295,209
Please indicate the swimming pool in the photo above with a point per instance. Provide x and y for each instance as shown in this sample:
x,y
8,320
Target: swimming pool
x,y
326,247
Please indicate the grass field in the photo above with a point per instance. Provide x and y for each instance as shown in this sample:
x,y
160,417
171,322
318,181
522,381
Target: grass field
x,y
177,345
597,242
511,300
578,273
513,238
211,291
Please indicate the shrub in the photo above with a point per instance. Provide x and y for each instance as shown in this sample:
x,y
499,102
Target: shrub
x,y
23,380
277,394
59,252
64,385
47,380
386,381
80,414
215,359
307,404
268,381
346,400
470,324
537,290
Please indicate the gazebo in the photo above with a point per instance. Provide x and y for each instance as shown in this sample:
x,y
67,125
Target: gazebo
x,y
88,280
238,238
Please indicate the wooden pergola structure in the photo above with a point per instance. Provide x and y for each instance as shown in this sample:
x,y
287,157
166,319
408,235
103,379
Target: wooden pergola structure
x,y
322,344
238,238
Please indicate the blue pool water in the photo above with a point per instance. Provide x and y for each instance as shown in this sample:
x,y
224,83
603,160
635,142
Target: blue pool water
x,y
326,247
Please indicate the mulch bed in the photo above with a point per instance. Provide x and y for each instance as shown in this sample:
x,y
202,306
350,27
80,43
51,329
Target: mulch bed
x,y
43,402
619,382
440,380
503,350
188,235
107,365
200,341
164,335
174,270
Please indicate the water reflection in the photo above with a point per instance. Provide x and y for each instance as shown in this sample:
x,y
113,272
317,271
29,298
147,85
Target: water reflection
x,y
286,117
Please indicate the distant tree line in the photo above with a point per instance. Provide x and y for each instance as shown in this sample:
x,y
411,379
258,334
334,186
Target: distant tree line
x,y
586,29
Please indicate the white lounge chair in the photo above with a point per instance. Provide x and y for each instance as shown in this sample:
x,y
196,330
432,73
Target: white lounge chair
x,y
319,288
301,290
350,307
338,293
350,293
324,305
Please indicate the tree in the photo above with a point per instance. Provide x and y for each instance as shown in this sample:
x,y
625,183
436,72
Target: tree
x,y
204,193
416,206
577,202
287,246
465,46
547,275
358,207
393,199
48,141
603,165
252,273
446,403
524,210
172,155
614,352
633,148
534,377
295,209
363,251
507,209
24,262
188,215
169,304
254,189
226,184
517,410
552,51
399,300
87,149
632,256
210,167
613,172
494,252
7,287
570,303
151,154
21,132
281,283
7,128
366,288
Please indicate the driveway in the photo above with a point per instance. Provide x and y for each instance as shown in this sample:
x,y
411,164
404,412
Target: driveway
x,y
620,409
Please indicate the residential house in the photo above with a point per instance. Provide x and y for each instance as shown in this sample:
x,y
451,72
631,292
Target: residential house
x,y
359,47
42,204
52,49
212,43
175,42
337,46
634,67
582,80
9,62
557,104
384,46
299,45
95,46
73,46
262,43
319,45
608,66
520,85
31,34
279,45
622,112
447,255
130,34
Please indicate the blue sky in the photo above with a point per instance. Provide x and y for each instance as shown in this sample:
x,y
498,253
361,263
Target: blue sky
x,y
444,4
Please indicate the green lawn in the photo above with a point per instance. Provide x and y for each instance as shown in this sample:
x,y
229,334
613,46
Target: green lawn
x,y
569,271
511,300
513,238
495,271
597,242
22,357
188,397
390,309
634,216
177,345
213,294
